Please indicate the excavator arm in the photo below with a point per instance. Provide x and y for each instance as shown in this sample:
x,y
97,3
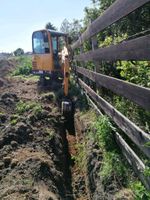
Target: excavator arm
x,y
66,105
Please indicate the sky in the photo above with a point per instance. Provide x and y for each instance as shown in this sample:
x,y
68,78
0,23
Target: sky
x,y
19,18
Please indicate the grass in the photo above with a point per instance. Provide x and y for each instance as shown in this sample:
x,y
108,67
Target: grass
x,y
27,77
50,133
113,166
23,107
103,133
80,157
139,190
50,96
14,119
114,169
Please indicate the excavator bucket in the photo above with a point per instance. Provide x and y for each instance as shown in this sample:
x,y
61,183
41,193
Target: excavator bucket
x,y
66,107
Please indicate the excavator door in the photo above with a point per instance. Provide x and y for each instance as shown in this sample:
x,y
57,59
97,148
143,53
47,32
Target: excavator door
x,y
42,61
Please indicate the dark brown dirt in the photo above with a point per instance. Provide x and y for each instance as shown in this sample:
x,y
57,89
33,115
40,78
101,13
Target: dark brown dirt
x,y
35,159
33,146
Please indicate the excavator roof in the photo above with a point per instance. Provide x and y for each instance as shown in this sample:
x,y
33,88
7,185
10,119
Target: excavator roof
x,y
52,32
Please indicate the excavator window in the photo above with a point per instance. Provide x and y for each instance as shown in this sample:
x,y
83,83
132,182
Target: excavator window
x,y
58,43
55,45
40,42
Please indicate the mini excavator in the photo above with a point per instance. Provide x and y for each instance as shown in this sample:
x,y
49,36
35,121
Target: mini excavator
x,y
51,59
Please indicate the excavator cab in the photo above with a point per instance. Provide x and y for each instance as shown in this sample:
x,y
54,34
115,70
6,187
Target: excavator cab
x,y
47,46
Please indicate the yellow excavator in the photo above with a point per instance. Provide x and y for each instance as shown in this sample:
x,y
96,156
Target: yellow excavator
x,y
51,59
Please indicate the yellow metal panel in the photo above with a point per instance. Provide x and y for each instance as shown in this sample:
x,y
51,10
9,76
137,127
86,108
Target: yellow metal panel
x,y
42,62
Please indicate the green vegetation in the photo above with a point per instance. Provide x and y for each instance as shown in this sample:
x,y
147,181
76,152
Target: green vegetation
x,y
24,66
113,166
50,133
80,157
23,107
14,119
38,111
50,96
28,182
136,114
140,192
27,77
137,72
72,28
103,133
114,169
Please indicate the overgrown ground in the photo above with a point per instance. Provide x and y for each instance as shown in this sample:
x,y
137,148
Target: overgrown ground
x,y
41,156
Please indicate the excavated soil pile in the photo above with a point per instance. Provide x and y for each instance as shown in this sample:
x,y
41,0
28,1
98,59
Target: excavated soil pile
x,y
5,67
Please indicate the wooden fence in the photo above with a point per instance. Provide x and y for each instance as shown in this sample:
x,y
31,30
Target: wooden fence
x,y
134,49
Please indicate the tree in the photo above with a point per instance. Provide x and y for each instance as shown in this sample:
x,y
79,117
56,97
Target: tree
x,y
18,52
124,26
50,26
65,26
72,28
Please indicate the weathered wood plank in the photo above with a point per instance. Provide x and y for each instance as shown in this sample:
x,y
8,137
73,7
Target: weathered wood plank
x,y
136,49
97,110
133,160
116,11
135,93
138,136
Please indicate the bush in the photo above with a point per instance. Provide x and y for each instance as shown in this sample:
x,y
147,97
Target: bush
x,y
103,133
24,67
137,72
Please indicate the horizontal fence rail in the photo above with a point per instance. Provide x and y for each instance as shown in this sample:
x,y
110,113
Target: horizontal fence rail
x,y
118,10
133,159
135,93
136,49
